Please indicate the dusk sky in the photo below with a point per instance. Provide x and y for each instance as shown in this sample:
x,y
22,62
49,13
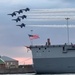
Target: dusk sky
x,y
13,38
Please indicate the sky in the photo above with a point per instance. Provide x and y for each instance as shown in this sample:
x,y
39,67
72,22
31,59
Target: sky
x,y
13,39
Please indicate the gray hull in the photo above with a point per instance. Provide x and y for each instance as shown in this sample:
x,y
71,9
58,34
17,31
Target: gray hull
x,y
59,65
54,59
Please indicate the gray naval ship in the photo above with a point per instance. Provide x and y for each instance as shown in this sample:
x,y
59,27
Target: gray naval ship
x,y
53,58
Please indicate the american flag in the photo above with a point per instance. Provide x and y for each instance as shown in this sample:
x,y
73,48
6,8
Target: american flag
x,y
33,37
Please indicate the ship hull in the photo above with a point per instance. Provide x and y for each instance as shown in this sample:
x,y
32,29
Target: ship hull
x,y
54,65
54,59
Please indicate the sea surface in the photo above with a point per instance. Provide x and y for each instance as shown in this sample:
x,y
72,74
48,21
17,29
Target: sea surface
x,y
36,74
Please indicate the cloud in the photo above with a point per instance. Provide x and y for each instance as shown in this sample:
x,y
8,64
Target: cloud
x,y
11,1
20,51
31,3
12,38
69,1
11,5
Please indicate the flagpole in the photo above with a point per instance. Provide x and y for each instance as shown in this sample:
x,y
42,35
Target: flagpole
x,y
31,40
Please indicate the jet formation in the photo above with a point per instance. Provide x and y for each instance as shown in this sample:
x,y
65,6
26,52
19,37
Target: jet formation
x,y
21,25
19,12
19,18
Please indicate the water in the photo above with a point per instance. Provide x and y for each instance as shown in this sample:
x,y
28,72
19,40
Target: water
x,y
19,74
37,74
